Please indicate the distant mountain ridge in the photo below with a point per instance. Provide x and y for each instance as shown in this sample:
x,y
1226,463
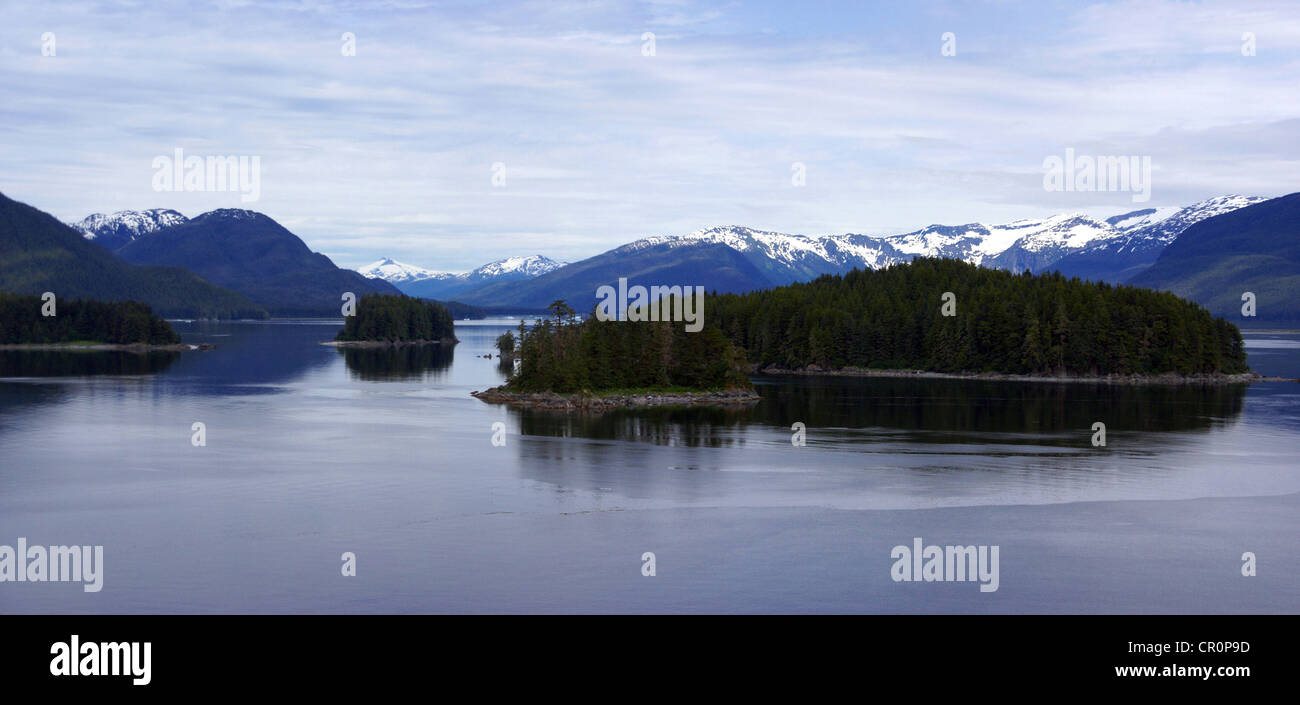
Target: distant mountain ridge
x,y
394,272
251,253
1078,245
429,284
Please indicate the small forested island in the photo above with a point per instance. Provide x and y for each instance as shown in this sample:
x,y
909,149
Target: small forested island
x,y
385,320
83,324
1002,325
564,363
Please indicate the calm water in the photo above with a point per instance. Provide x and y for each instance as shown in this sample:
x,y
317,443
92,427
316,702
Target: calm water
x,y
312,452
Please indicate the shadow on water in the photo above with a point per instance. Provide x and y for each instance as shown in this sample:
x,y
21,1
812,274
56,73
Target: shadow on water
x,y
401,363
71,363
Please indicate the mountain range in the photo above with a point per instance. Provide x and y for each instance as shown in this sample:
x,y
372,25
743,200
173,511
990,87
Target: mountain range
x,y
739,259
429,284
233,262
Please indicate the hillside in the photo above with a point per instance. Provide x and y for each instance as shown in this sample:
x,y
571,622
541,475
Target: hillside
x,y
1255,249
250,253
38,253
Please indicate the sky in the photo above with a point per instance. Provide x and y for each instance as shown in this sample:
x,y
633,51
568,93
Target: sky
x,y
459,133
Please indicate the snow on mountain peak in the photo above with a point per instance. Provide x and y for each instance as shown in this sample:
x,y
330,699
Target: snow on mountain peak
x,y
392,271
529,265
521,267
129,224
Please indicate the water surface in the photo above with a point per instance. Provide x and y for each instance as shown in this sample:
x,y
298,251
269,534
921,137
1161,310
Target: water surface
x,y
312,451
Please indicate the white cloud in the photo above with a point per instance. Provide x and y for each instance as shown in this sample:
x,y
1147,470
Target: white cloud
x,y
390,152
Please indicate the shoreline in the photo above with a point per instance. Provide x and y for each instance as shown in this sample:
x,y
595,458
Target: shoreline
x,y
386,343
107,347
1164,379
595,402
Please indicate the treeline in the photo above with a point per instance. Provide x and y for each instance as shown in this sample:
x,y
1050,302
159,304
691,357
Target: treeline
x,y
385,317
565,355
461,311
1003,322
84,320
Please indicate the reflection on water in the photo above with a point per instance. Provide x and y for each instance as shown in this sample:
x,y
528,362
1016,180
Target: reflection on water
x,y
928,410
399,363
72,363
688,427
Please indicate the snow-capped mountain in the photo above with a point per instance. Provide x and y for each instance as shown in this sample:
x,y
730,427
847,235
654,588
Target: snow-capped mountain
x,y
782,258
1019,245
1161,227
394,272
114,231
515,268
1143,235
1033,244
417,281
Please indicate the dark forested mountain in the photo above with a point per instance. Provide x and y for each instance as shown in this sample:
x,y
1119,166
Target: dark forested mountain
x,y
1004,322
254,255
38,253
711,265
1254,249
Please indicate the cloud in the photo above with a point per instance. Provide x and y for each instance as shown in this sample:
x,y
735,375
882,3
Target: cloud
x,y
390,152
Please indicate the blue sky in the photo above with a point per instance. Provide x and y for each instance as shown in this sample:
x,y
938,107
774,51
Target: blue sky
x,y
390,152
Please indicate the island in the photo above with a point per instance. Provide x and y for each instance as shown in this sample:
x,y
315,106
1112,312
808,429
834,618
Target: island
x,y
594,365
929,318
385,320
34,323
946,318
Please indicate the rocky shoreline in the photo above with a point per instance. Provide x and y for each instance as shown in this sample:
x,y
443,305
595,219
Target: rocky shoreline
x,y
96,347
1169,378
387,343
606,402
